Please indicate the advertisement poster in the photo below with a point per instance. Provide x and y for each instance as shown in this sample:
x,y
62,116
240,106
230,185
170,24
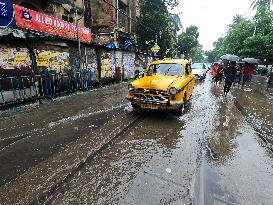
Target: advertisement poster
x,y
32,20
108,65
54,60
11,58
129,65
92,63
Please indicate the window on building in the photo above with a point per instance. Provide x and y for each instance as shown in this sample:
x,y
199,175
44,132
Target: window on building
x,y
67,18
123,14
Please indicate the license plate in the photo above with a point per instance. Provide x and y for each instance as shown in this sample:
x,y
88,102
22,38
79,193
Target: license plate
x,y
149,106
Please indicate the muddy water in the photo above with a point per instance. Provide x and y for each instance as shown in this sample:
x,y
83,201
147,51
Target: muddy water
x,y
237,166
155,162
209,155
258,103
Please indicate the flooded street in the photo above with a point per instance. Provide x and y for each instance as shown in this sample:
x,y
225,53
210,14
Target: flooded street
x,y
93,148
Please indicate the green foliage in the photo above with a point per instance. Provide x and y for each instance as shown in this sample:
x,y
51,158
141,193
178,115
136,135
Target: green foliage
x,y
238,32
196,54
155,23
188,41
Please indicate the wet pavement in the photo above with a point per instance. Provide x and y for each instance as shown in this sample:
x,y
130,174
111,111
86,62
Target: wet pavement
x,y
92,148
257,103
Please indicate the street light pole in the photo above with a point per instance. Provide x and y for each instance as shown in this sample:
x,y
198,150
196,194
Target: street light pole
x,y
78,37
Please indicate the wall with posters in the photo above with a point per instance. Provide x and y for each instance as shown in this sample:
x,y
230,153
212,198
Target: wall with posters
x,y
60,56
55,61
14,60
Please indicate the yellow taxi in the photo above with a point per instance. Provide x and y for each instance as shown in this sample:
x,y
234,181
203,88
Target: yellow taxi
x,y
167,84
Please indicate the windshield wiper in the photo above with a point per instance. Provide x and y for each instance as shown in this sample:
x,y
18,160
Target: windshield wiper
x,y
168,70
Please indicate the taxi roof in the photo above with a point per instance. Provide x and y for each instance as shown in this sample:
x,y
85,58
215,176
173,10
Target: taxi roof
x,y
170,60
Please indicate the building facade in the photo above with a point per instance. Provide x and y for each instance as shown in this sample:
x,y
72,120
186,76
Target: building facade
x,y
114,21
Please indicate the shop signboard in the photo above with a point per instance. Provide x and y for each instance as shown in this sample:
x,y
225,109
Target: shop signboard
x,y
6,13
32,20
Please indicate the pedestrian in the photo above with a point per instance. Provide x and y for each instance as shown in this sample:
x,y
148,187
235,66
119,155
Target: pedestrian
x,y
215,67
269,79
239,74
220,71
249,70
229,75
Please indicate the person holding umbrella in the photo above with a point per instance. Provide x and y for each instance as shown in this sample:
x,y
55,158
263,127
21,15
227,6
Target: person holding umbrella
x,y
239,73
269,79
229,71
249,69
229,75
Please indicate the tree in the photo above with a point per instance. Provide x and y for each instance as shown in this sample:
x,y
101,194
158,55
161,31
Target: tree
x,y
248,37
238,32
256,3
196,53
260,45
188,40
155,25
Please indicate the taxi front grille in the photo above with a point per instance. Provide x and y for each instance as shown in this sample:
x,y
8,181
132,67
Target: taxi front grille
x,y
151,95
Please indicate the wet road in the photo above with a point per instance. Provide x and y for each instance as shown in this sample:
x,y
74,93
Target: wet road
x,y
92,148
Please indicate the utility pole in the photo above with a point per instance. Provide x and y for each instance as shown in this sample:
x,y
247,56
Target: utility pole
x,y
78,36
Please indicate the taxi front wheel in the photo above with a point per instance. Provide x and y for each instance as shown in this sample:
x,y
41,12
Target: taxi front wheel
x,y
181,109
136,107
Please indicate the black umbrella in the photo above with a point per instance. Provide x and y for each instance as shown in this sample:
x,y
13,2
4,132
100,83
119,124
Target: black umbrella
x,y
251,60
230,57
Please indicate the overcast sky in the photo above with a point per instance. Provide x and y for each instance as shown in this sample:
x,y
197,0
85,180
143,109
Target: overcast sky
x,y
211,16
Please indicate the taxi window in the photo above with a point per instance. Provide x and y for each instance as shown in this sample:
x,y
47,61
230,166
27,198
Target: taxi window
x,y
166,69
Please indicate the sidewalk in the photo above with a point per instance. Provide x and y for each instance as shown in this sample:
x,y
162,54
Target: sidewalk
x,y
256,104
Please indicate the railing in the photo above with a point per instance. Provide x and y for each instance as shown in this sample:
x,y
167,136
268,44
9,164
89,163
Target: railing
x,y
46,85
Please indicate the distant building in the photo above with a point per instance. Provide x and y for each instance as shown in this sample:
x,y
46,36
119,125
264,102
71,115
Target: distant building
x,y
177,25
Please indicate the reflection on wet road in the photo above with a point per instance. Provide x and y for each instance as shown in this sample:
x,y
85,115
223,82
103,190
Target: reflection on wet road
x,y
105,153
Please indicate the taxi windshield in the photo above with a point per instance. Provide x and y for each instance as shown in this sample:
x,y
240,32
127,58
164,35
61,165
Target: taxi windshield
x,y
166,69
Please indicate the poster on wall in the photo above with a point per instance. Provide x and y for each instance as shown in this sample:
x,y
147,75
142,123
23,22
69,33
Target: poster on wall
x,y
54,60
32,20
11,58
108,64
92,63
129,65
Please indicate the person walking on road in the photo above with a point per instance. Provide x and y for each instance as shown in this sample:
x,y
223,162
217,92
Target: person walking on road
x,y
220,74
269,79
249,70
217,72
239,74
229,75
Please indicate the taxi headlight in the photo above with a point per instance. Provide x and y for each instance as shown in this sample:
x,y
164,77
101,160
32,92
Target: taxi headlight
x,y
173,91
131,87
